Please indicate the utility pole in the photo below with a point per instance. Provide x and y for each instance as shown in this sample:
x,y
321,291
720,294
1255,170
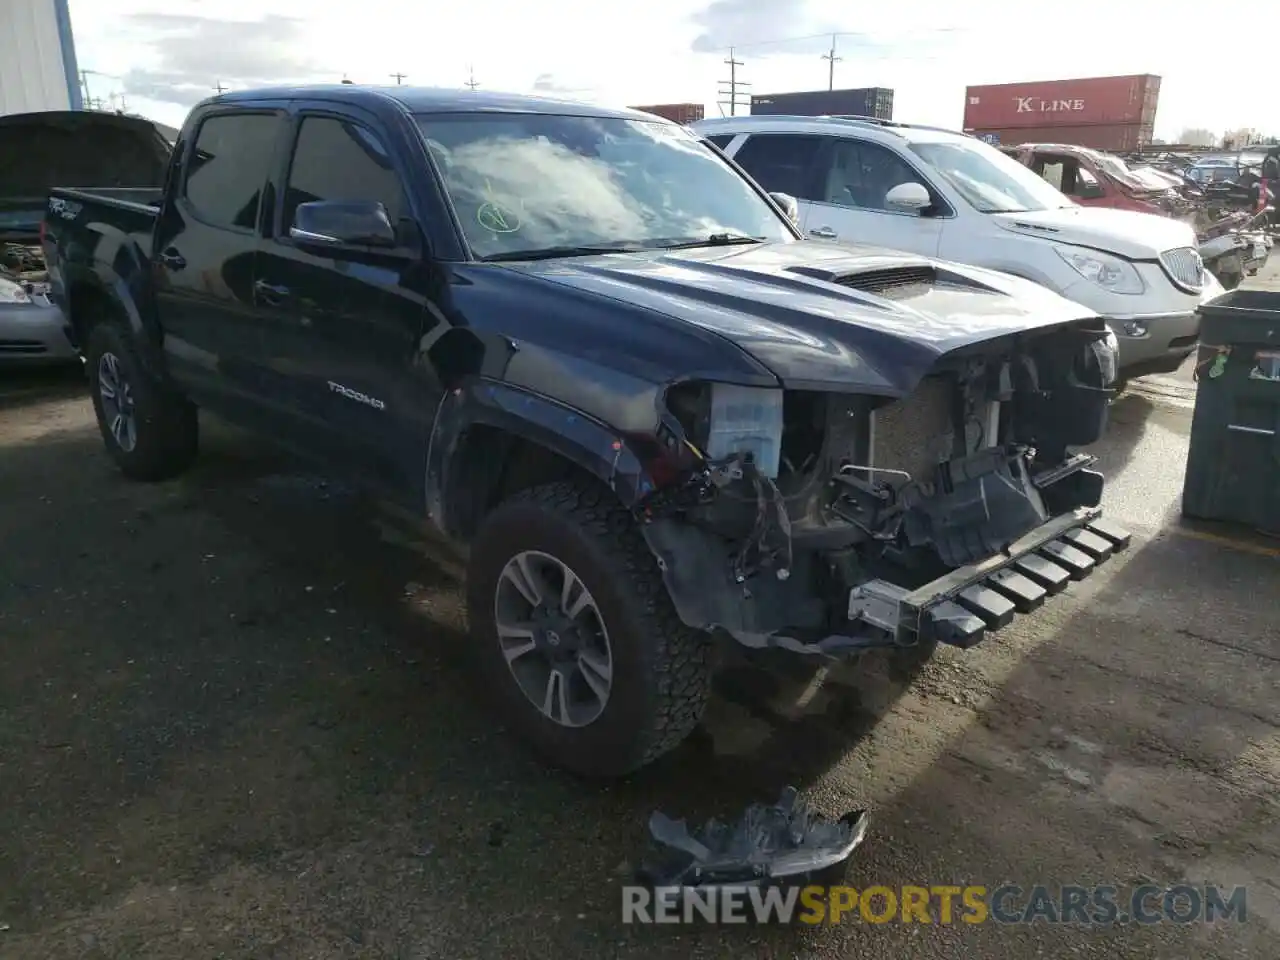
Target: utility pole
x,y
733,84
832,59
472,81
399,77
219,87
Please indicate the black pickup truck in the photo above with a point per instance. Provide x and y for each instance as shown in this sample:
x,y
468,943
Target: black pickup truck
x,y
606,366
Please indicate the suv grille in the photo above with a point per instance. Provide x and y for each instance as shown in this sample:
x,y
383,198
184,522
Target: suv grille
x,y
896,283
1184,267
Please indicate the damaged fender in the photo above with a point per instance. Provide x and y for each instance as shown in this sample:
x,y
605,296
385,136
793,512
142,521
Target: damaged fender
x,y
571,434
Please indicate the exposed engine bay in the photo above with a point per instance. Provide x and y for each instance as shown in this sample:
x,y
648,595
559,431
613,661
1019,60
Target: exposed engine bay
x,y
794,501
24,265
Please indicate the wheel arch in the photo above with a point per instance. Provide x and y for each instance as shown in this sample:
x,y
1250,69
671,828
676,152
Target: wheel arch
x,y
96,296
492,440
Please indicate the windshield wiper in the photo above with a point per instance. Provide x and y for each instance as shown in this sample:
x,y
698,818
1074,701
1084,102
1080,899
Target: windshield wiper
x,y
713,240
550,253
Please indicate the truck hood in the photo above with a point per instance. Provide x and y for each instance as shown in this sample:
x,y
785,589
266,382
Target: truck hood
x,y
72,148
795,307
1133,235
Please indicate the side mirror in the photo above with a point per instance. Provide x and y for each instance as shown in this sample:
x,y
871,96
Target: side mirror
x,y
361,223
909,198
789,206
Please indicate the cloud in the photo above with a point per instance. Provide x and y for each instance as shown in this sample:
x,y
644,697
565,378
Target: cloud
x,y
551,85
729,23
192,54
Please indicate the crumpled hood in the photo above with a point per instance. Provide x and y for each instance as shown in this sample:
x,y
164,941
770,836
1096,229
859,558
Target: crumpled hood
x,y
1136,236
779,303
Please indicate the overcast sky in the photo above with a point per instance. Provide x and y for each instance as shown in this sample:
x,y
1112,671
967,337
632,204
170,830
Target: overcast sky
x,y
164,56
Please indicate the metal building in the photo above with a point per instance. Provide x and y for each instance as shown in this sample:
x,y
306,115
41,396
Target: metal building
x,y
38,68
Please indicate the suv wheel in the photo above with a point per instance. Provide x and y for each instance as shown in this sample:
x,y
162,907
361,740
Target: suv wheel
x,y
575,635
151,433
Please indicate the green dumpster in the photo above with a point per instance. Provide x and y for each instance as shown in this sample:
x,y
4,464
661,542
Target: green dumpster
x,y
1233,467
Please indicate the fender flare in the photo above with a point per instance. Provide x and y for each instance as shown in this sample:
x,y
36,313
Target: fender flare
x,y
102,276
577,437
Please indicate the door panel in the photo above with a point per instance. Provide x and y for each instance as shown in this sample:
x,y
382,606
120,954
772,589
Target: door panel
x,y
854,177
344,323
206,244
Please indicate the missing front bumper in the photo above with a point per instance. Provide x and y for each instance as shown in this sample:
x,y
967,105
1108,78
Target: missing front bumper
x,y
960,607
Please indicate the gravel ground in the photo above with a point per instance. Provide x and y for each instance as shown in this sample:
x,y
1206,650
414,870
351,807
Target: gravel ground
x,y
233,724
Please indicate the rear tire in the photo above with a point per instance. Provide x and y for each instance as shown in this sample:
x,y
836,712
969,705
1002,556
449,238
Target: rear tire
x,y
150,432
658,675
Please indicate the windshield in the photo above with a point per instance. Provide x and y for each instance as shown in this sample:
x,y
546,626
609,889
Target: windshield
x,y
988,180
526,183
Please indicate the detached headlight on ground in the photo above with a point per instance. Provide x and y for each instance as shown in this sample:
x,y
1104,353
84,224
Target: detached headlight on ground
x,y
1110,273
12,293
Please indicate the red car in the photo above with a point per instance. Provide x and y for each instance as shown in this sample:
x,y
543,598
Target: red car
x,y
1096,179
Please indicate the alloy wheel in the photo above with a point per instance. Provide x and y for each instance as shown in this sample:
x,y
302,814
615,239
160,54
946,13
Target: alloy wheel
x,y
117,402
553,638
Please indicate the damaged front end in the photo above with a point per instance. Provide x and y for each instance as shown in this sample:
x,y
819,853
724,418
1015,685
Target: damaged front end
x,y
829,522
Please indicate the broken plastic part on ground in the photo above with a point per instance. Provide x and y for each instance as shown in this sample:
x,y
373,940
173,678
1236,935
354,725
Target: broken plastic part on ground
x,y
780,841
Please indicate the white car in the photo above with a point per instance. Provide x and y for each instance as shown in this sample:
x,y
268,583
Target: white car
x,y
948,195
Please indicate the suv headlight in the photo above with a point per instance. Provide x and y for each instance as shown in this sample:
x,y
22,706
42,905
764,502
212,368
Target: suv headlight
x,y
1110,273
12,293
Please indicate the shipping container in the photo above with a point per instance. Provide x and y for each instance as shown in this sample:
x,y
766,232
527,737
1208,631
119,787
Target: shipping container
x,y
1112,101
865,102
677,112
37,58
1112,137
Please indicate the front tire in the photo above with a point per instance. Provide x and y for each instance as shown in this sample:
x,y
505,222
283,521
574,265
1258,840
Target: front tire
x,y
150,432
574,634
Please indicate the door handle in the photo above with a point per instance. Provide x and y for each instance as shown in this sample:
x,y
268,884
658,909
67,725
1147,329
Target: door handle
x,y
172,259
269,292
823,233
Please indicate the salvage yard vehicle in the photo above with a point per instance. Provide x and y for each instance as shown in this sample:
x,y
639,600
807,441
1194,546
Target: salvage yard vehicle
x,y
607,368
1230,247
945,194
1095,179
37,152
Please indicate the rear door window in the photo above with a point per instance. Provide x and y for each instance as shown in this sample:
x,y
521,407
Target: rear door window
x,y
228,168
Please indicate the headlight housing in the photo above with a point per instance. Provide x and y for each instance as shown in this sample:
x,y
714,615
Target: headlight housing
x,y
12,293
723,419
1110,273
1107,350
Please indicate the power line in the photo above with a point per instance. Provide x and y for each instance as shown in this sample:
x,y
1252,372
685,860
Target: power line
x,y
839,33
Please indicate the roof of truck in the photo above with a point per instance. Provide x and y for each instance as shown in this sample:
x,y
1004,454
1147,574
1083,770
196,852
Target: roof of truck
x,y
436,100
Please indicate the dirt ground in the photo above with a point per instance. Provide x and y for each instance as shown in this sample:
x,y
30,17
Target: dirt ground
x,y
233,723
